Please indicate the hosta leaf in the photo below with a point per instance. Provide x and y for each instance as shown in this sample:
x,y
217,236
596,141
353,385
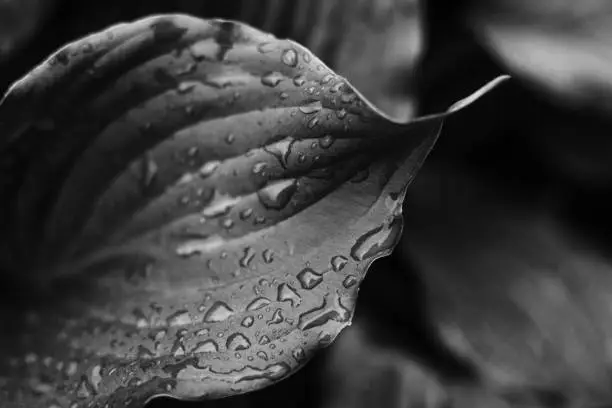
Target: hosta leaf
x,y
191,206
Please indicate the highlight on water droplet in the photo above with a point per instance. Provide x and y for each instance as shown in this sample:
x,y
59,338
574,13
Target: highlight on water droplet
x,y
207,346
248,321
299,80
237,342
311,107
258,303
309,279
349,281
378,240
277,317
338,263
277,195
286,293
218,312
247,257
272,79
326,141
209,168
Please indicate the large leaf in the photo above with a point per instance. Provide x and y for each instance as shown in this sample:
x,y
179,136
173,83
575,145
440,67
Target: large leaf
x,y
189,207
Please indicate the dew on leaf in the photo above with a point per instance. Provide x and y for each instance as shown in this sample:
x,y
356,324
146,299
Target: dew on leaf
x,y
207,346
309,279
209,168
268,256
246,213
289,57
338,263
313,122
229,139
259,168
276,318
277,195
286,293
377,241
248,321
258,303
349,281
312,107
238,341
218,312
247,257
299,80
272,79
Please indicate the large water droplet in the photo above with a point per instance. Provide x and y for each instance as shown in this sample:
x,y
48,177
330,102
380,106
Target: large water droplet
x,y
312,107
207,346
247,257
218,312
377,241
180,318
277,195
338,263
258,303
272,79
290,57
287,294
238,341
248,321
309,279
277,317
318,316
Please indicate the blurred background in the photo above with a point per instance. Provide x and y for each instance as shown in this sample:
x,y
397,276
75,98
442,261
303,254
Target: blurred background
x,y
500,293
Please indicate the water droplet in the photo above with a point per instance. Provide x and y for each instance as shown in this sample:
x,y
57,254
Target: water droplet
x,y
272,79
377,241
301,157
245,214
218,312
312,107
299,355
338,263
238,341
180,318
262,355
247,257
178,350
209,168
313,122
307,57
299,80
229,139
187,69
277,195
277,317
309,279
268,256
258,303
283,95
186,87
326,142
349,281
264,340
149,170
207,346
248,321
260,219
144,353
266,47
348,97
327,79
341,114
203,332
228,223
289,57
320,315
259,168
287,294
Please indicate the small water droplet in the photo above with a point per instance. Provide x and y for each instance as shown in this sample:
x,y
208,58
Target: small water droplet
x,y
186,87
277,317
338,263
307,57
283,95
259,168
341,114
248,321
187,69
327,79
349,281
286,293
238,341
277,195
260,219
228,223
326,142
258,303
290,57
268,256
272,79
245,214
311,107
247,257
262,355
301,157
348,97
207,346
179,350
229,139
218,312
299,80
313,122
298,354
203,332
309,279
377,241
264,340
149,170
209,168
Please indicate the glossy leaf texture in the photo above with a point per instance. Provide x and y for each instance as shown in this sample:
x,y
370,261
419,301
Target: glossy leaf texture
x,y
190,208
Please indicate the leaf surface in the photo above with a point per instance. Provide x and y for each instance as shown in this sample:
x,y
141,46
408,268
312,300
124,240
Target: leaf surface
x,y
191,206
